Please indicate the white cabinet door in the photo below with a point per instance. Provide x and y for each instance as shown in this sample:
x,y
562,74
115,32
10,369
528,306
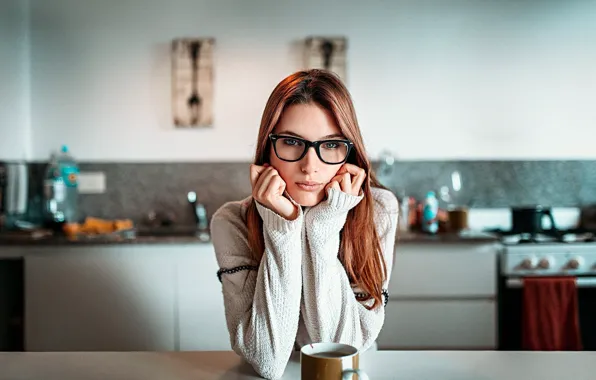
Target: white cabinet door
x,y
100,298
201,315
439,325
444,270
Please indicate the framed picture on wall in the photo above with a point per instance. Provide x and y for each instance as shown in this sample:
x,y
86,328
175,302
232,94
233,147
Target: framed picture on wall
x,y
192,82
326,53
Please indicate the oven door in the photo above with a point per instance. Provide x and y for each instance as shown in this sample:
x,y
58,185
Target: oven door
x,y
510,312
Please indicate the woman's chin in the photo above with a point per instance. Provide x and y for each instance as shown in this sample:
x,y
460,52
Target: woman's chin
x,y
306,198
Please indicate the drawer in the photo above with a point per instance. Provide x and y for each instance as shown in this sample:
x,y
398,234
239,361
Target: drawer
x,y
439,325
444,271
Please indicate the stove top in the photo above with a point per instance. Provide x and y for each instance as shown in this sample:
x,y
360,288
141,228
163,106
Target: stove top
x,y
576,236
557,252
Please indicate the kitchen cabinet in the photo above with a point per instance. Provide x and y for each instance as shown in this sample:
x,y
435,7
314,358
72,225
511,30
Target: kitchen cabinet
x,y
440,324
444,270
123,298
99,298
201,315
442,296
160,297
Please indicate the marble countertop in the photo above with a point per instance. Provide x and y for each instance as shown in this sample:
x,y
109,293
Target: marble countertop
x,y
396,365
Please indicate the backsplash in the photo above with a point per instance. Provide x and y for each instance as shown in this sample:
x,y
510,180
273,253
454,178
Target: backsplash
x,y
135,189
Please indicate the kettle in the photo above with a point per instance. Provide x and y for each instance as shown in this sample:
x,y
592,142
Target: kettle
x,y
529,219
14,186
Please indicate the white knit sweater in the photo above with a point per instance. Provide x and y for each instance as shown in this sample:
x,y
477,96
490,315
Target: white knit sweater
x,y
299,293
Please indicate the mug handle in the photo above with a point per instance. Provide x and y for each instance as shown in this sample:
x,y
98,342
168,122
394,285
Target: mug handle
x,y
549,214
347,374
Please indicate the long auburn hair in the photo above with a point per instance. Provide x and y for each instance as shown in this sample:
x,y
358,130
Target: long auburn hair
x,y
360,249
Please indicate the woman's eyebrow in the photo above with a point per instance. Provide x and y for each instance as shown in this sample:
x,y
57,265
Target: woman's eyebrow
x,y
322,138
333,136
289,133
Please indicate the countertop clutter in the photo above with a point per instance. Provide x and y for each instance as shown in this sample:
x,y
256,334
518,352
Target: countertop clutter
x,y
403,365
187,235
464,236
126,236
143,239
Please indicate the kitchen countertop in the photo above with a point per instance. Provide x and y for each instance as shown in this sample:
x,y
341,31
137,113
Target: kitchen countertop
x,y
447,237
181,234
205,365
61,240
407,237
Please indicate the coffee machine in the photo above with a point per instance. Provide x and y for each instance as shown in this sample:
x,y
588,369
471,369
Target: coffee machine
x,y
14,186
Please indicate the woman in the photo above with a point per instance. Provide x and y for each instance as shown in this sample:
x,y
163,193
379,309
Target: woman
x,y
307,257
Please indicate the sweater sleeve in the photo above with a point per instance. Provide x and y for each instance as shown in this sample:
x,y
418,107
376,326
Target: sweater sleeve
x,y
331,310
262,300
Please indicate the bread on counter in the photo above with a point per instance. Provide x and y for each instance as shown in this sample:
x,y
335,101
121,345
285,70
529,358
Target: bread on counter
x,y
97,226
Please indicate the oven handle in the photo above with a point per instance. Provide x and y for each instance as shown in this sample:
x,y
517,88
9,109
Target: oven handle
x,y
581,282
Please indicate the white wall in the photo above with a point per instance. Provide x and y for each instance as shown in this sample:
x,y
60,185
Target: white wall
x,y
475,79
14,84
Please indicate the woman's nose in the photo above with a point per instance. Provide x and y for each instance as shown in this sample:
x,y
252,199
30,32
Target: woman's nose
x,y
310,162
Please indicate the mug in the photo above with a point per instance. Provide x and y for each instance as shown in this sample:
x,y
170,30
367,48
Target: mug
x,y
458,219
330,361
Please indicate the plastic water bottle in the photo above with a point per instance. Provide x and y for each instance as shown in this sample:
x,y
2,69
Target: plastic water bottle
x,y
430,211
61,192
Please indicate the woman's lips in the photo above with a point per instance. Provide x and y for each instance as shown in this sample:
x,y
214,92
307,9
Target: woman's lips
x,y
309,186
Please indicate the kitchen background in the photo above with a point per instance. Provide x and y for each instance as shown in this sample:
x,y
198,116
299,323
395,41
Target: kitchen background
x,y
501,91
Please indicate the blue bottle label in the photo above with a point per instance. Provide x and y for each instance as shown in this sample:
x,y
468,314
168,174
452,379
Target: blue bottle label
x,y
429,219
70,176
428,213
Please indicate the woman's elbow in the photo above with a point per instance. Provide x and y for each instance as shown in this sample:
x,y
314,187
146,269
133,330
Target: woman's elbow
x,y
269,368
272,372
267,365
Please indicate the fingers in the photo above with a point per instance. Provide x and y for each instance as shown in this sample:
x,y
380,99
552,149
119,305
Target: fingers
x,y
357,172
332,185
276,185
337,178
351,178
346,183
349,168
255,172
263,181
358,181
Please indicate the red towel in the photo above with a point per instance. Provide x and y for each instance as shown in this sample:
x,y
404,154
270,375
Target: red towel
x,y
550,314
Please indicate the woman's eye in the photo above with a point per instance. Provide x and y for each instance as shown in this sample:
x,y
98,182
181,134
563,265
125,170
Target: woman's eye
x,y
331,145
291,142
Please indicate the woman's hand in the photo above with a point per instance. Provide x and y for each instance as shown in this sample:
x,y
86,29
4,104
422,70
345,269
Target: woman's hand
x,y
349,179
268,188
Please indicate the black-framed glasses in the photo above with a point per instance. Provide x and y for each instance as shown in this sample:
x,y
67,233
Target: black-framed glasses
x,y
291,149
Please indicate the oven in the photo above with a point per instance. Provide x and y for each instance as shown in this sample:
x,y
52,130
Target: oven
x,y
552,259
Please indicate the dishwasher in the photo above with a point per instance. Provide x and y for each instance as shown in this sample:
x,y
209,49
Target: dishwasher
x,y
12,305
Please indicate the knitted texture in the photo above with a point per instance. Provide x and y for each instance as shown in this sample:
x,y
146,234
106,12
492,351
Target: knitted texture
x,y
300,293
